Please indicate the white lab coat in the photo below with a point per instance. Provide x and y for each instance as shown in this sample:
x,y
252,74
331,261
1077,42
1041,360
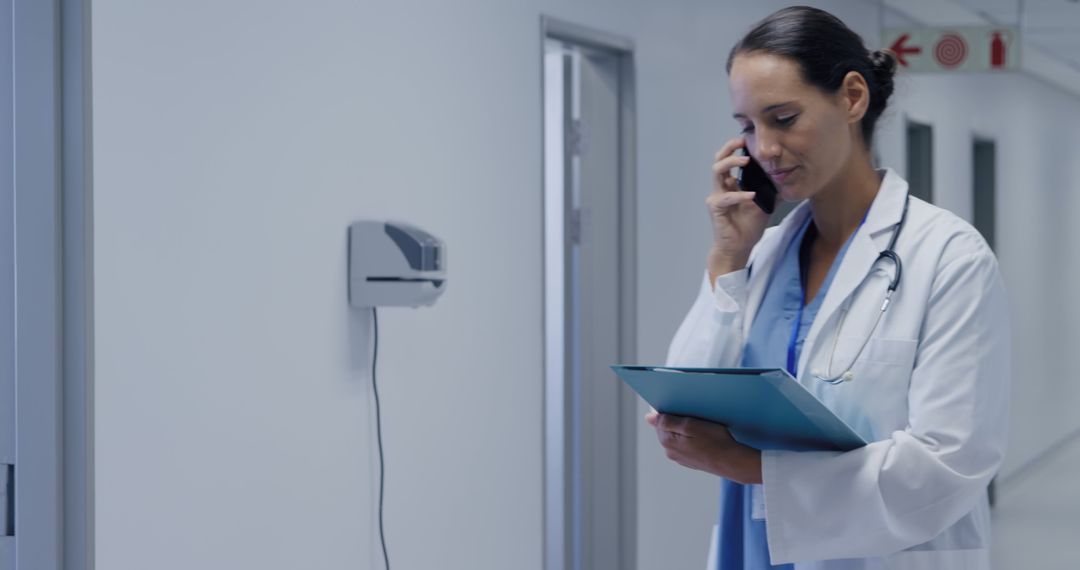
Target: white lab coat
x,y
930,392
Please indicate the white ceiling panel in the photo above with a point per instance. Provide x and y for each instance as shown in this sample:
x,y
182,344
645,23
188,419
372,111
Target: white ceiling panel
x,y
1067,47
1058,15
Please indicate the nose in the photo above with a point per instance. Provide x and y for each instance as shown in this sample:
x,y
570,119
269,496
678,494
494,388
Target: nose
x,y
768,148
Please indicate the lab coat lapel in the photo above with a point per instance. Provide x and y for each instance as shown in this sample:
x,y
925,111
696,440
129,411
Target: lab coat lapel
x,y
866,245
764,261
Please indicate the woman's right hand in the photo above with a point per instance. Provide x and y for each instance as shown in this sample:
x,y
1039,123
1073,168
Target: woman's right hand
x,y
737,221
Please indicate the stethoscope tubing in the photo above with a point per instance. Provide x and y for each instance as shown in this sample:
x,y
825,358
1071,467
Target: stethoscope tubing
x,y
889,253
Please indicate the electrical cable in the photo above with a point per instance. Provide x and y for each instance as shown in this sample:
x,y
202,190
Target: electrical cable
x,y
378,432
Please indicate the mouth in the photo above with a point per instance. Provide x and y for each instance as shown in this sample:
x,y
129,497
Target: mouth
x,y
781,174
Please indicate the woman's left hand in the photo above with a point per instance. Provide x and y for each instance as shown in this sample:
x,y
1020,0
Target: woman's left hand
x,y
706,446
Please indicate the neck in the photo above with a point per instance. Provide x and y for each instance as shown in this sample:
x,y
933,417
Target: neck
x,y
838,209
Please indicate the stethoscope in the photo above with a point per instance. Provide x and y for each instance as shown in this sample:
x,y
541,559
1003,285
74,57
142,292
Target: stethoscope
x,y
889,254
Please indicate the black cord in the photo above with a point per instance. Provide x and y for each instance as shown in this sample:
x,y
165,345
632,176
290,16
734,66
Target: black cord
x,y
378,432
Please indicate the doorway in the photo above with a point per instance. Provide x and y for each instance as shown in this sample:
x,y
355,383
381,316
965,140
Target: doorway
x,y
589,299
45,257
920,160
7,300
984,208
984,179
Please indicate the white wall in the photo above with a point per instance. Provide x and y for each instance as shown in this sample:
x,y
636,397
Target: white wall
x,y
235,141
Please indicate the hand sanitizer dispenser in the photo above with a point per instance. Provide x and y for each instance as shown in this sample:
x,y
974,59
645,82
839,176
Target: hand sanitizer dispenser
x,y
392,264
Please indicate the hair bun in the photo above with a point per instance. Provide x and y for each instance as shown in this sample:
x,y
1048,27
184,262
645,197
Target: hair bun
x,y
883,57
884,66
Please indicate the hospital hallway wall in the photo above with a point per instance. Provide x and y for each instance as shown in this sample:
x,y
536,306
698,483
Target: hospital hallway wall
x,y
234,142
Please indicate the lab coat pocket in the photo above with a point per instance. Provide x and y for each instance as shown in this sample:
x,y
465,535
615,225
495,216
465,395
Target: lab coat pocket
x,y
874,401
892,351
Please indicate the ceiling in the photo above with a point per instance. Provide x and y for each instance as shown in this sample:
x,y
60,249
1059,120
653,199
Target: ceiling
x,y
1052,26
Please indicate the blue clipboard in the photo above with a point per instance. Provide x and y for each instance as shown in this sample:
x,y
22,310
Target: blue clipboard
x,y
763,408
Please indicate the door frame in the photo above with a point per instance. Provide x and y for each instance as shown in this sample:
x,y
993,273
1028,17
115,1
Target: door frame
x,y
557,498
53,282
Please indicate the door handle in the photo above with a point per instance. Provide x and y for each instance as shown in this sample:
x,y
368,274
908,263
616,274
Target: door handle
x,y
7,500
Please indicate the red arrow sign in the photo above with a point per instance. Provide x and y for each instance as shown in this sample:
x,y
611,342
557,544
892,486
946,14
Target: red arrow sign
x,y
900,50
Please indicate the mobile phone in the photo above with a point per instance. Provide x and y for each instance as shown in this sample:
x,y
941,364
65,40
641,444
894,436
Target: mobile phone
x,y
752,178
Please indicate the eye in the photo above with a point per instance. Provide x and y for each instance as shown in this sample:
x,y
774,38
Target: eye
x,y
748,128
786,120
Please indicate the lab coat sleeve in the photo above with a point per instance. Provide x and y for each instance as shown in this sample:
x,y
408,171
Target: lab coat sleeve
x,y
711,333
905,490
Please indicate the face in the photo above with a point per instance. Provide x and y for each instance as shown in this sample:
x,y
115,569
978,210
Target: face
x,y
803,137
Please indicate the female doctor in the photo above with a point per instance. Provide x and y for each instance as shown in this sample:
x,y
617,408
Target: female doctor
x,y
891,311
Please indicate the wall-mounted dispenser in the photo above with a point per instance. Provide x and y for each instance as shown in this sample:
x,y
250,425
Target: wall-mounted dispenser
x,y
392,264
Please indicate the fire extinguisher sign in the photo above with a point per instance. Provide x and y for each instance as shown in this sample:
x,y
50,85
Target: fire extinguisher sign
x,y
955,49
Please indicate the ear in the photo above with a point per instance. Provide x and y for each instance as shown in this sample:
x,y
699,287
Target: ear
x,y
854,96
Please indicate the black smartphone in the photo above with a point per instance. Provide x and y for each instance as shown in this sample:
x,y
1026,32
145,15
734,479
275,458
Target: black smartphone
x,y
752,178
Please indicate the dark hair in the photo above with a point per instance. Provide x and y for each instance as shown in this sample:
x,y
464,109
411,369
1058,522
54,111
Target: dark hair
x,y
826,50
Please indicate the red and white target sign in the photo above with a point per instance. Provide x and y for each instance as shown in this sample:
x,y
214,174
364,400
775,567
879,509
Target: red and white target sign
x,y
950,50
955,49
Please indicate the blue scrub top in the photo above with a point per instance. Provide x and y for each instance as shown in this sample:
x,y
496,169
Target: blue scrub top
x,y
742,544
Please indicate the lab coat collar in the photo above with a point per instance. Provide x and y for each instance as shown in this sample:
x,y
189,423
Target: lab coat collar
x,y
888,205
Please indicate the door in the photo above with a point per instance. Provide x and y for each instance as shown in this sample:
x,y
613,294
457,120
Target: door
x,y
920,160
984,182
984,165
7,299
38,153
595,311
589,302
